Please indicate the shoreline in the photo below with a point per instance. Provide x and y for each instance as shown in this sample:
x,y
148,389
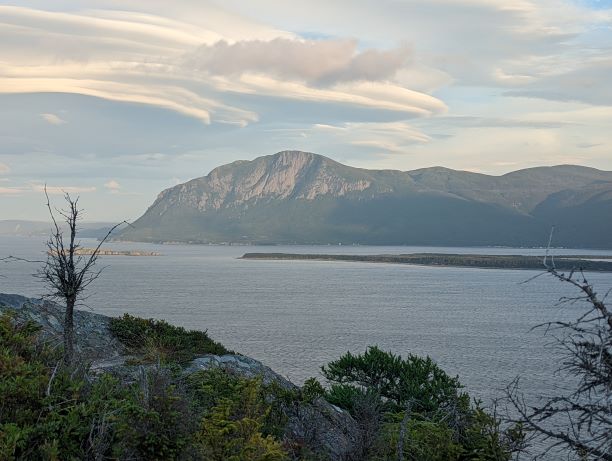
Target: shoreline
x,y
595,263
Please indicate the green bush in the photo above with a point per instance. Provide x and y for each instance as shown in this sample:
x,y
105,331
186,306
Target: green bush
x,y
441,423
48,412
312,390
398,381
156,421
157,340
233,429
237,418
423,441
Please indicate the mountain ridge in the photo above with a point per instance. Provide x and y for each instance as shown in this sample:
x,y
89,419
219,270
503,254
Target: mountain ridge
x,y
302,197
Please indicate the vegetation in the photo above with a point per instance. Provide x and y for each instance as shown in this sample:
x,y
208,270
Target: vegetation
x,y
398,381
411,406
592,263
157,340
50,412
237,425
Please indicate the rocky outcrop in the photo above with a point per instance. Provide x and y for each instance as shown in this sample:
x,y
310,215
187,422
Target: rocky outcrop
x,y
300,175
239,365
322,427
94,340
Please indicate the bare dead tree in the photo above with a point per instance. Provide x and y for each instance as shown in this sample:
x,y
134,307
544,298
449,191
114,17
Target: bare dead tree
x,y
68,271
579,420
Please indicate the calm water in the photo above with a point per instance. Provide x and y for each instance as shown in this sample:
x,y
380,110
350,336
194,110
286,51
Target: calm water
x,y
297,315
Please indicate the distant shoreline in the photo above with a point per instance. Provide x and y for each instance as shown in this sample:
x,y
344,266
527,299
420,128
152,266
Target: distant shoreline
x,y
326,245
596,263
106,252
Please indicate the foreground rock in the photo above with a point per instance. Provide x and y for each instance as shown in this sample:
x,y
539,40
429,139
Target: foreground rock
x,y
324,428
94,340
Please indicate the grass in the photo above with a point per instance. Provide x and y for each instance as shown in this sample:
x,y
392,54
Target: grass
x,y
155,340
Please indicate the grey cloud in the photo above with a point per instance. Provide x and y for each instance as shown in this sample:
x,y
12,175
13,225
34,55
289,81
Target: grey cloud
x,y
314,61
588,145
588,84
496,122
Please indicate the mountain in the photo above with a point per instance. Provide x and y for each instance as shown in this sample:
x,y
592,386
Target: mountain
x,y
300,197
15,227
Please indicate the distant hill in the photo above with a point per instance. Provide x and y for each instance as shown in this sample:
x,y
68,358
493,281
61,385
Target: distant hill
x,y
300,197
41,228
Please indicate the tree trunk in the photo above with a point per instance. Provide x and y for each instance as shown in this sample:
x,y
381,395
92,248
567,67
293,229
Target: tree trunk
x,y
402,432
69,331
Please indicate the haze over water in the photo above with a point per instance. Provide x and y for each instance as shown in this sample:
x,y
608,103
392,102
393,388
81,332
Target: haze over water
x,y
296,316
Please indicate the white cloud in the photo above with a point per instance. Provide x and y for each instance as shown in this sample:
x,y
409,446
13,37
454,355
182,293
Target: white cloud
x,y
4,168
61,190
373,95
315,61
11,190
113,186
189,64
375,137
53,119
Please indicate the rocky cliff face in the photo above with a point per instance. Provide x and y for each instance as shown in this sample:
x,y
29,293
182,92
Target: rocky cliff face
x,y
300,197
290,174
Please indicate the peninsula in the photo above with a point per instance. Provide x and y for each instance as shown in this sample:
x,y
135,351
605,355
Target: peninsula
x,y
564,262
106,252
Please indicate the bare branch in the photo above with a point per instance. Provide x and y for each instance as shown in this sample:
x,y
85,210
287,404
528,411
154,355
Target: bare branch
x,y
580,419
67,271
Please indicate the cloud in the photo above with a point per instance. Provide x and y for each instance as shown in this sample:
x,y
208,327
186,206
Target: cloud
x,y
11,190
314,61
113,186
53,119
372,95
191,64
4,168
384,137
475,42
589,84
61,190
466,121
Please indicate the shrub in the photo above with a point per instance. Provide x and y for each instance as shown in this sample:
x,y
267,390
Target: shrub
x,y
424,441
49,412
398,381
312,390
387,394
156,421
22,385
233,428
158,340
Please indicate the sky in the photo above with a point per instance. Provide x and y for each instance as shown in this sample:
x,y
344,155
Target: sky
x,y
115,101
